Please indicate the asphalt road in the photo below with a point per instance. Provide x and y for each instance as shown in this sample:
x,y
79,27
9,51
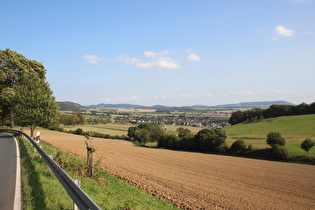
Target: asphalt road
x,y
9,173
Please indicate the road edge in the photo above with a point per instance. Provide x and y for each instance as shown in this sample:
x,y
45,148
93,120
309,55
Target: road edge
x,y
17,194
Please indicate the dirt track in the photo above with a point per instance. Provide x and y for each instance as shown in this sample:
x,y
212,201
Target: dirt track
x,y
200,181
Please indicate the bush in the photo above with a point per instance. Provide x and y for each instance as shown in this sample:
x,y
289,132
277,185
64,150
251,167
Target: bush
x,y
280,153
304,159
275,139
173,141
238,146
223,148
163,141
79,131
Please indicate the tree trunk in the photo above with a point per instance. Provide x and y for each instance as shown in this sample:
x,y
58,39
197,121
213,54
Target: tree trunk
x,y
11,117
32,128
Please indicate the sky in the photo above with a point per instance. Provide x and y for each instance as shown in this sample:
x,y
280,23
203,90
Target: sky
x,y
167,52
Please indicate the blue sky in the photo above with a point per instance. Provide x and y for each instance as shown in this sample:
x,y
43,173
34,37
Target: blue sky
x,y
168,52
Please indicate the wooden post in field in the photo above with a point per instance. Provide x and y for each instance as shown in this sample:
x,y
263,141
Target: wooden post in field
x,y
89,156
91,165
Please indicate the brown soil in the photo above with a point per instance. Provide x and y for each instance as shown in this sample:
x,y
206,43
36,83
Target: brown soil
x,y
200,181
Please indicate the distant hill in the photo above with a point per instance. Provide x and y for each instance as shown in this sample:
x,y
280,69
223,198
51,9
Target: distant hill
x,y
261,104
126,106
70,106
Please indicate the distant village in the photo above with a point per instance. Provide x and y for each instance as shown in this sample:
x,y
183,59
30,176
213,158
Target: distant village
x,y
201,121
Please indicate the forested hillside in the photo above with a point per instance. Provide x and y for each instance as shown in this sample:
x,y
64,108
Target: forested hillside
x,y
273,111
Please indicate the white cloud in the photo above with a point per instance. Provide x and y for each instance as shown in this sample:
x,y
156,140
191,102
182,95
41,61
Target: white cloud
x,y
184,95
308,32
161,97
281,30
122,99
283,92
263,92
155,60
193,57
92,59
126,59
162,62
245,92
155,54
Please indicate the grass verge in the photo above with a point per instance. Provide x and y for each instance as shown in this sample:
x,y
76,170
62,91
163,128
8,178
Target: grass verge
x,y
41,190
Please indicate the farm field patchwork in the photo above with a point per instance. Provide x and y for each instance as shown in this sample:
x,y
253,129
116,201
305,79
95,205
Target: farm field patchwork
x,y
294,129
195,180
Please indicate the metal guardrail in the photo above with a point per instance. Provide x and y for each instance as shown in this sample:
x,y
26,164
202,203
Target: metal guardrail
x,y
80,198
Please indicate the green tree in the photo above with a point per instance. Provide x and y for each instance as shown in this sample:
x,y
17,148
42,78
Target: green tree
x,y
131,133
307,144
237,117
210,139
156,133
172,141
142,135
186,138
275,139
36,104
183,132
12,68
238,146
8,100
145,132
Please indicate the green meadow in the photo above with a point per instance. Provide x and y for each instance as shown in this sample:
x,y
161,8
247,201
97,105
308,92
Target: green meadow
x,y
294,129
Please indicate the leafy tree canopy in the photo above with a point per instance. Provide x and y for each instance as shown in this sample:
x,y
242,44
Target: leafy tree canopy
x,y
36,104
275,139
307,144
210,139
13,66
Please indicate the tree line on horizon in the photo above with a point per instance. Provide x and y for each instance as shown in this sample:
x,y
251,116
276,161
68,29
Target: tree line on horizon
x,y
275,110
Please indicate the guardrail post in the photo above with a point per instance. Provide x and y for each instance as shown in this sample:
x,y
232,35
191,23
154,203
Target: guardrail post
x,y
77,182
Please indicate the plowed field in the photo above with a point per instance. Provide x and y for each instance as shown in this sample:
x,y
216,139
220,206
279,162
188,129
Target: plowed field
x,y
200,181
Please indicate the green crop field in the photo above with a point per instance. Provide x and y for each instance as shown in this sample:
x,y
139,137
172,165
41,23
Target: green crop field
x,y
294,129
109,128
